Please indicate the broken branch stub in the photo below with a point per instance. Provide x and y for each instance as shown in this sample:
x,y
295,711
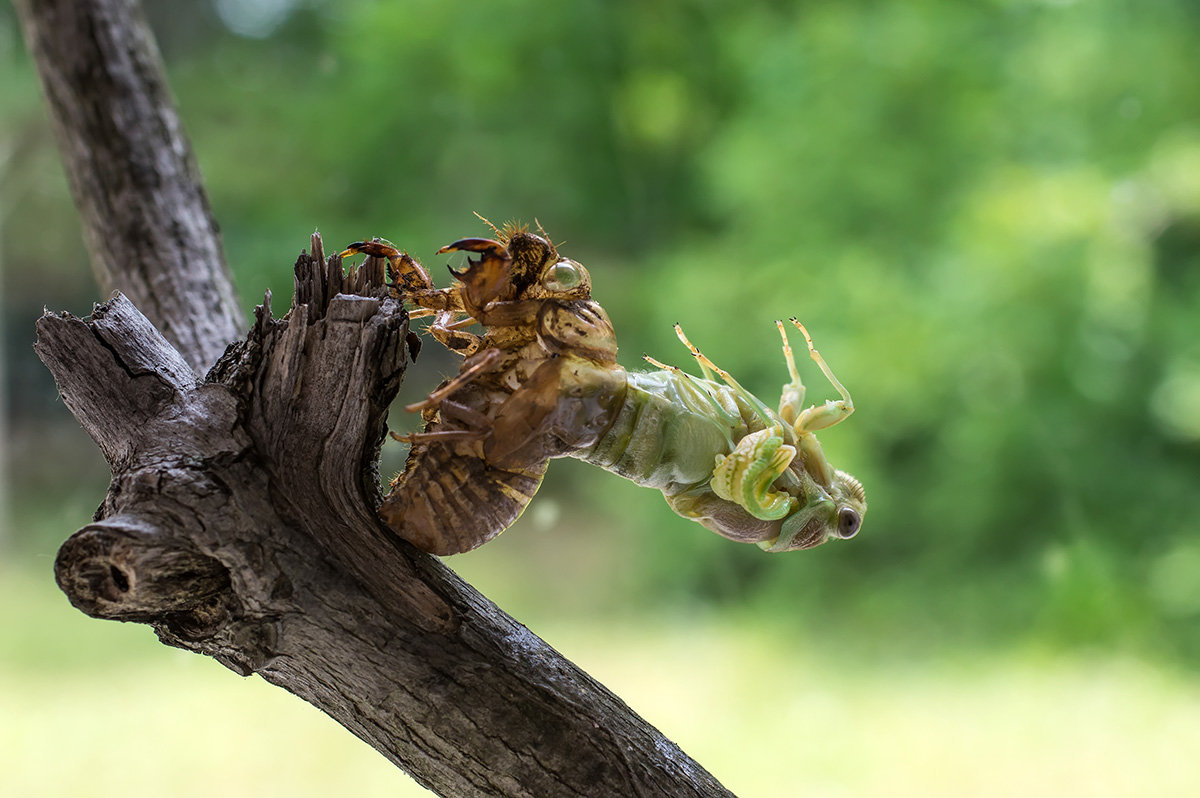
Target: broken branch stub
x,y
240,523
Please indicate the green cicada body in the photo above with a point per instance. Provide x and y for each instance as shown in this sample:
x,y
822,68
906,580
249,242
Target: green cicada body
x,y
542,382
727,463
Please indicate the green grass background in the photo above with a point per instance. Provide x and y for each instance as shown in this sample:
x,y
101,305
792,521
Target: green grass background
x,y
93,708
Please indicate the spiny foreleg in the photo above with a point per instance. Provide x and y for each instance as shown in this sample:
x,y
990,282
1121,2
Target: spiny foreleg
x,y
408,277
485,279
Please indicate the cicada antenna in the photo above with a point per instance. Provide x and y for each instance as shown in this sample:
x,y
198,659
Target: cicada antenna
x,y
542,232
488,222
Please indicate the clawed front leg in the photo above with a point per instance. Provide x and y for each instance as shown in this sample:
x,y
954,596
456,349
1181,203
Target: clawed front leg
x,y
408,276
484,279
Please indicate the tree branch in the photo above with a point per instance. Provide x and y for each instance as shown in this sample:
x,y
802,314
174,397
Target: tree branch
x,y
145,214
239,525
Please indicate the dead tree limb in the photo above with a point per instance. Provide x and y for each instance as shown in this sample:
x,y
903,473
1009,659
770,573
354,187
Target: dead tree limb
x,y
145,215
240,519
239,525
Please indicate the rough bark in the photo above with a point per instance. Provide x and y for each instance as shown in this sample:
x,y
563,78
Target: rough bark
x,y
239,524
145,215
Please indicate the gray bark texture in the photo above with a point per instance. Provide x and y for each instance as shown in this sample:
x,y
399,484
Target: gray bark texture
x,y
145,215
240,519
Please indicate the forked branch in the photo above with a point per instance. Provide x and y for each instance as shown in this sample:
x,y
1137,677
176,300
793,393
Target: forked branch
x,y
240,524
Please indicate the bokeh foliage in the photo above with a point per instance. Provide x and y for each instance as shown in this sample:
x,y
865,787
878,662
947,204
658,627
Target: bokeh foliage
x,y
988,214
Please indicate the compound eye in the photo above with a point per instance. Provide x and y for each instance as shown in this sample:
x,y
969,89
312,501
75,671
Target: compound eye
x,y
848,523
563,276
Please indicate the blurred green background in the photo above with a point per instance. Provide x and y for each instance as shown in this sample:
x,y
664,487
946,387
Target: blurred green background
x,y
987,214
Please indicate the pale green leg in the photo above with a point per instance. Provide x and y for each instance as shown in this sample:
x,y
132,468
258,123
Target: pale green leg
x,y
791,400
711,368
818,416
746,474
722,417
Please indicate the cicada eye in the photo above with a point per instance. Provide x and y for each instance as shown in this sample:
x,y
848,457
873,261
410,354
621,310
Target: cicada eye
x,y
563,276
848,523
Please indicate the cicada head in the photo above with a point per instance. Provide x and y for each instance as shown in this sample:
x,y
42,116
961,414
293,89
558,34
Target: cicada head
x,y
830,504
530,255
539,272
851,502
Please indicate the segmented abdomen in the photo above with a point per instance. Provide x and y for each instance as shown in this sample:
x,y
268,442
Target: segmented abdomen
x,y
449,500
667,433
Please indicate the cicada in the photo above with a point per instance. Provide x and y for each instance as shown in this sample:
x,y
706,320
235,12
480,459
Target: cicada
x,y
540,380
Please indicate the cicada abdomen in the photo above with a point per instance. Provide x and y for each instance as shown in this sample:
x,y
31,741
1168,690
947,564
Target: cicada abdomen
x,y
450,500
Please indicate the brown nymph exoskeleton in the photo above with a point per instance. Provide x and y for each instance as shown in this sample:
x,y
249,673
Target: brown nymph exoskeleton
x,y
540,380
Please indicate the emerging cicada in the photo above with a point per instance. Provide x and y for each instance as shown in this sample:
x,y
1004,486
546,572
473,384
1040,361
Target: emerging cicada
x,y
542,381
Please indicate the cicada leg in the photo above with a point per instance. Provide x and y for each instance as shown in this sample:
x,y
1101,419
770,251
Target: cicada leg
x,y
440,435
450,334
807,421
712,370
746,474
469,373
482,280
791,401
722,417
438,404
818,416
407,275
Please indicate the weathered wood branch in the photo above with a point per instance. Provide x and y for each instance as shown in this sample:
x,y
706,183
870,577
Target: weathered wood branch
x,y
146,217
240,524
240,519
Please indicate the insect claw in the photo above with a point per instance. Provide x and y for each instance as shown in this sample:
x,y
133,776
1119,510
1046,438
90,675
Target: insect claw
x,y
483,279
379,249
483,245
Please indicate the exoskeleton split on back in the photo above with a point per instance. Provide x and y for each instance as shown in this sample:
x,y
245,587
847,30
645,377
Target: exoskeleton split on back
x,y
540,380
